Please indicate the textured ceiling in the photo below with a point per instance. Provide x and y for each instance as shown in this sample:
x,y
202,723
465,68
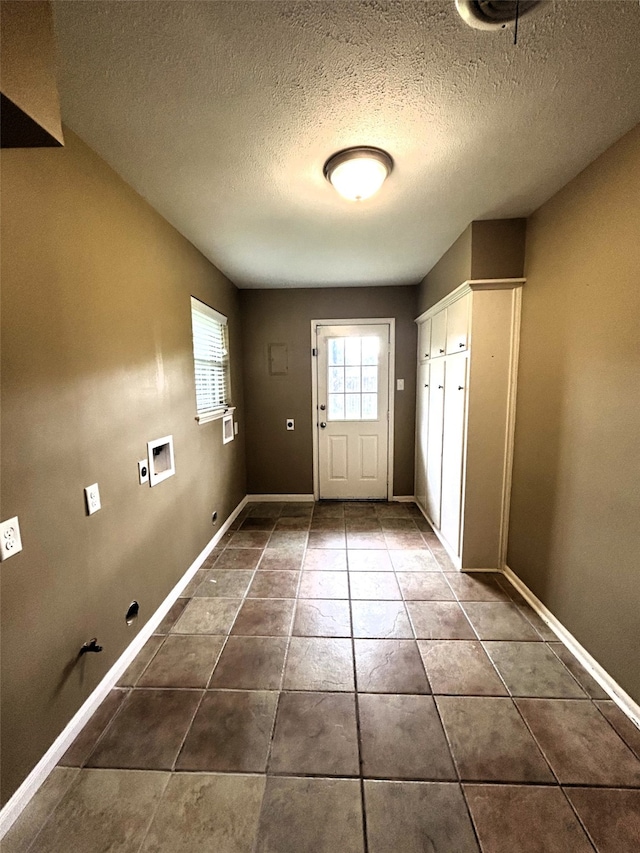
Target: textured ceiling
x,y
222,114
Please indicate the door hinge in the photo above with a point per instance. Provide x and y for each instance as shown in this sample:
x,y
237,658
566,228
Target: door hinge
x,y
314,351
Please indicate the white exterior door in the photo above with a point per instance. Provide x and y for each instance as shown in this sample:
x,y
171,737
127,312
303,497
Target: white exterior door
x,y
353,410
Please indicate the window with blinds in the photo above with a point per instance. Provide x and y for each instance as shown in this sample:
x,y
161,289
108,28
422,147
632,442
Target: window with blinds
x,y
211,361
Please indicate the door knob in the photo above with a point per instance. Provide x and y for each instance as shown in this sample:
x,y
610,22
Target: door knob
x,y
440,386
460,387
323,407
323,425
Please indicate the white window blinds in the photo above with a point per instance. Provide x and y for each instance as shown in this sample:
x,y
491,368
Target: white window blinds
x,y
211,360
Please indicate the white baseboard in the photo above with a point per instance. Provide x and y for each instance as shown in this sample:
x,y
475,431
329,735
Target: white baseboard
x,y
484,571
404,499
279,498
14,806
611,687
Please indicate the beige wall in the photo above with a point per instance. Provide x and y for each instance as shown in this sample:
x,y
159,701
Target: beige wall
x,y
279,461
452,269
575,512
497,248
491,248
96,360
28,71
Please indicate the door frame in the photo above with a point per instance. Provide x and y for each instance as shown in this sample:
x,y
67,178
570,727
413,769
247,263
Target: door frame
x,y
358,321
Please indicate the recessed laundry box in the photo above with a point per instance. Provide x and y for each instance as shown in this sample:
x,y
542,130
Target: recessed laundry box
x,y
161,460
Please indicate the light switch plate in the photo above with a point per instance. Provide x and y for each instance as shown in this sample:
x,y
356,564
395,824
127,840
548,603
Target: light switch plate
x,y
291,424
143,471
92,497
10,541
400,385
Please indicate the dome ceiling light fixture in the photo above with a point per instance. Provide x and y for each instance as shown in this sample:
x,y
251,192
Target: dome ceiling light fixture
x,y
493,14
358,173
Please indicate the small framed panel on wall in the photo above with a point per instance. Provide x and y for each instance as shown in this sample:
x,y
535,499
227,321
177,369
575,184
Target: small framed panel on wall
x,y
278,359
227,429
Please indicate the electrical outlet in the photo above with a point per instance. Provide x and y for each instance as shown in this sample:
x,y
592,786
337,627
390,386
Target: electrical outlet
x,y
143,471
92,497
291,424
10,541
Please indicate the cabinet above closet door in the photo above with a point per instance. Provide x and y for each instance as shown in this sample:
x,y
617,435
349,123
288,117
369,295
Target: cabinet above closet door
x,y
458,325
424,341
438,334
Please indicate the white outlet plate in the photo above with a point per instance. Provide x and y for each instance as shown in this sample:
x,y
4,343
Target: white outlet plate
x,y
10,541
291,424
92,497
400,385
143,471
235,427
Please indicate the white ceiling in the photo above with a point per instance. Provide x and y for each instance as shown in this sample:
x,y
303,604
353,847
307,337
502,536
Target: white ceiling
x,y
222,114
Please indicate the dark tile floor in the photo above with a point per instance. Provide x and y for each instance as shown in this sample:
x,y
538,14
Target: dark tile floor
x,y
328,684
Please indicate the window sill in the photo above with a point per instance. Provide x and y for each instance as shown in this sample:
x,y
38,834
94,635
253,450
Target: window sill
x,y
215,416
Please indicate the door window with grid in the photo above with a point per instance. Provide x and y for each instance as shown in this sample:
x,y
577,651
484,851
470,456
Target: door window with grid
x,y
352,380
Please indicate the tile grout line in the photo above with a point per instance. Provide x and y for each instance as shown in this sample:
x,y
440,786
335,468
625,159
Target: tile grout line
x,y
363,806
282,674
154,812
579,819
49,815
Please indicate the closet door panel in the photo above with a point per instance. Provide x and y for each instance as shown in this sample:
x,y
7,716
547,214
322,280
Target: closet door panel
x,y
453,454
424,340
422,426
458,325
438,334
434,440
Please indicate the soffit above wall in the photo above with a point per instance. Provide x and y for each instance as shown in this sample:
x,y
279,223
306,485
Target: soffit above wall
x,y
222,114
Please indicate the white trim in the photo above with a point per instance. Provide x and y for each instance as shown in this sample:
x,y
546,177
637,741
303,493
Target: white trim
x,y
356,321
494,283
472,571
391,422
405,499
228,433
622,699
165,441
507,471
466,287
208,311
279,498
215,414
14,806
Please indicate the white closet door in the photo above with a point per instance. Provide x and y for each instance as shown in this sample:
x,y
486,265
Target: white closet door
x,y
434,440
455,393
458,325
438,334
422,420
424,340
